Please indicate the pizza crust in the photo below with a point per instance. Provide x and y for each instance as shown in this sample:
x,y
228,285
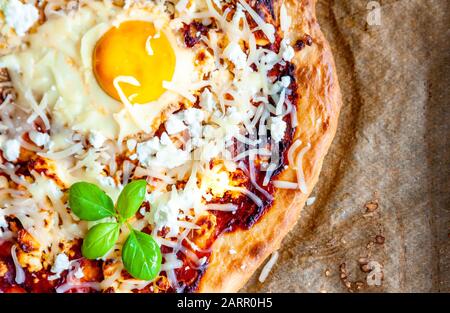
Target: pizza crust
x,y
318,111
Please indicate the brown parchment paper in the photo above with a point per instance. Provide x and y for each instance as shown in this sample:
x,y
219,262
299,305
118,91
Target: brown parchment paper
x,y
390,156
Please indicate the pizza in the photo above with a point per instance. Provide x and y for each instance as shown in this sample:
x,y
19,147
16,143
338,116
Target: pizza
x,y
156,146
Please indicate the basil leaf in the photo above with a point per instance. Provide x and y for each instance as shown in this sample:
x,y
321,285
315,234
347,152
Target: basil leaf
x,y
141,256
131,198
99,240
89,202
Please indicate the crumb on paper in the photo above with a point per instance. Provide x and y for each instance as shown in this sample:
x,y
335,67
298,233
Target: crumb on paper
x,y
375,277
310,201
379,239
352,286
363,264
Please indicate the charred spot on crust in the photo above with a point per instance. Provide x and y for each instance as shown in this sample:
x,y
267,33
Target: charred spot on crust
x,y
300,44
257,250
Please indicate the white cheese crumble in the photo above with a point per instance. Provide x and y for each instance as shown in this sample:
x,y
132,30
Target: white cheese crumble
x,y
11,150
268,267
79,273
20,16
40,139
277,128
203,260
174,125
3,222
96,139
61,264
375,276
234,53
193,116
146,150
285,19
310,201
4,182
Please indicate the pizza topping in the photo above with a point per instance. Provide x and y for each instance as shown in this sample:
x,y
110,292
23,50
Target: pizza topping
x,y
208,158
11,149
141,255
21,17
277,128
285,184
299,167
310,201
234,53
266,28
20,273
268,267
285,19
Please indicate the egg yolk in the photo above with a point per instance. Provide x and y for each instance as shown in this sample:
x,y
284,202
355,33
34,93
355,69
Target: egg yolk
x,y
134,49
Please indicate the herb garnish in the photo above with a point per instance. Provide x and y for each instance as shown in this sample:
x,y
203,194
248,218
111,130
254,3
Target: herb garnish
x,y
141,255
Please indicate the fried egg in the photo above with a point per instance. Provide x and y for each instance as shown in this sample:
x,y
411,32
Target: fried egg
x,y
105,70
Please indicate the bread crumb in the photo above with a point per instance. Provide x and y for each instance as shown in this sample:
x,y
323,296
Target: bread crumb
x,y
379,239
371,206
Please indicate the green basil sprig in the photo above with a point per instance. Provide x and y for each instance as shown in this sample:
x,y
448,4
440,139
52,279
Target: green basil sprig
x,y
89,202
141,254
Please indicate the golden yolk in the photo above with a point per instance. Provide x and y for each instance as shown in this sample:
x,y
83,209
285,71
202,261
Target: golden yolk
x,y
125,51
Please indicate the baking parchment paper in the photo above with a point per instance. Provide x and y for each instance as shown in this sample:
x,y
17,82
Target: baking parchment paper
x,y
383,205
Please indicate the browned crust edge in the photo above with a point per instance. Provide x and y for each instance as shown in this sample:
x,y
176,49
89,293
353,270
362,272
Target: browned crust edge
x,y
320,99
